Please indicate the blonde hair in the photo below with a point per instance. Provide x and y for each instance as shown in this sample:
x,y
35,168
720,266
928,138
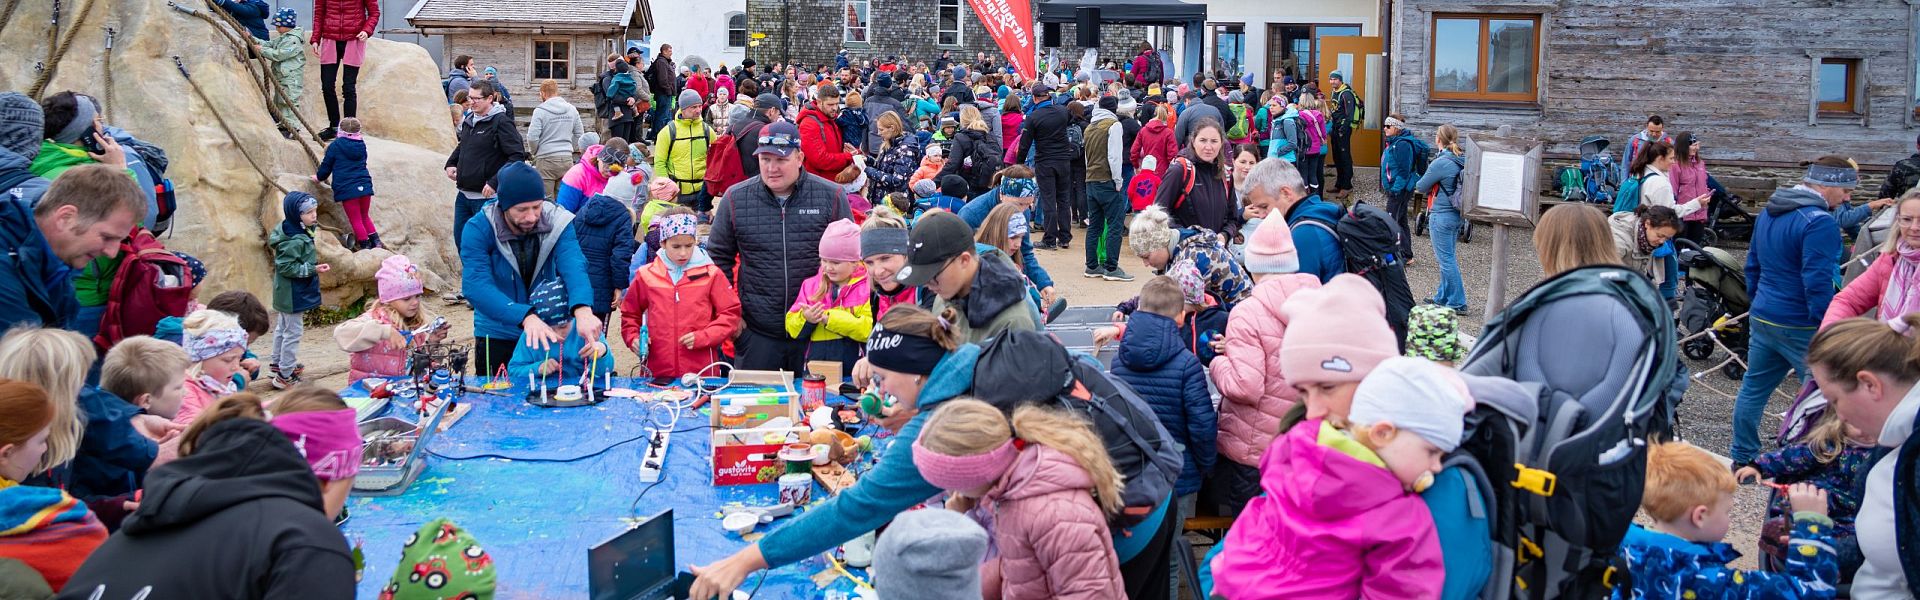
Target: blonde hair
x,y
142,365
889,120
884,217
1312,103
967,427
1893,241
1856,345
995,229
201,322
1828,439
970,118
1573,236
1449,138
57,360
1681,477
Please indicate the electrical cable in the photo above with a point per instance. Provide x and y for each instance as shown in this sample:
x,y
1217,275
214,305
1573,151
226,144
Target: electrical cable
x,y
564,460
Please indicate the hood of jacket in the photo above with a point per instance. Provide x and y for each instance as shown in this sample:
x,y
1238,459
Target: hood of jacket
x,y
1151,341
290,213
556,105
1039,471
553,220
996,287
1101,114
1323,473
1787,200
1156,126
353,148
237,461
497,110
602,210
951,377
674,272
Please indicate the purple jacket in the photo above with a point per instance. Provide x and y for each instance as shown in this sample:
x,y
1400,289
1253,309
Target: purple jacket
x,y
1333,524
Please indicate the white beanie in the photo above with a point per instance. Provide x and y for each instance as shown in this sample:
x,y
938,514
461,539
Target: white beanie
x,y
621,187
1417,396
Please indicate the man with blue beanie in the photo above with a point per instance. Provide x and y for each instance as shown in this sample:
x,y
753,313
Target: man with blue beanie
x,y
517,242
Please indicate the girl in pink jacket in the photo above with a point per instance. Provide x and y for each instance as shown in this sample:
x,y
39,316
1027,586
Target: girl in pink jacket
x,y
379,340
1254,389
832,312
1049,489
1342,517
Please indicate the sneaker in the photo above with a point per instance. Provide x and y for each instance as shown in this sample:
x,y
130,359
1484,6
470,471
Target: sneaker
x,y
326,135
1066,244
297,374
281,383
1046,246
1117,275
1094,273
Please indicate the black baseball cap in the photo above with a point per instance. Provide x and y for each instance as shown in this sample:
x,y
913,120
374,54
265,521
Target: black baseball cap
x,y
780,138
936,238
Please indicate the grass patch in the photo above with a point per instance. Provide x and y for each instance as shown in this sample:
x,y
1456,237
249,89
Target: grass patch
x,y
326,316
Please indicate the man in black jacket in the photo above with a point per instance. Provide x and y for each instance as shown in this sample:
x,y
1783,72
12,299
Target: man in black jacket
x,y
746,138
1044,137
958,89
488,140
664,82
769,227
883,97
1905,175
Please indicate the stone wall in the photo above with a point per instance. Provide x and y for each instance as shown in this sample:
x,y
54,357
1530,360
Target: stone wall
x,y
904,28
1753,184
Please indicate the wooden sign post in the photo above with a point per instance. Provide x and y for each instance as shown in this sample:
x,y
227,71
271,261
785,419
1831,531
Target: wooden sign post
x,y
1501,185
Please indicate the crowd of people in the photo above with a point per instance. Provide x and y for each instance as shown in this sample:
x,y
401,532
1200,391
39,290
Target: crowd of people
x,y
876,215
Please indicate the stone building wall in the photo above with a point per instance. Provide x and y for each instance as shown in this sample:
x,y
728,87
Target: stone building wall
x,y
904,28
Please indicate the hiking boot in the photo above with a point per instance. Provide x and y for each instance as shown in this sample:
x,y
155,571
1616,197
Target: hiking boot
x,y
326,135
1095,273
1117,275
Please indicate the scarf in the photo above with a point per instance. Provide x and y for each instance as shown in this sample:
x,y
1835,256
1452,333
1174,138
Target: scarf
x,y
1640,240
1903,288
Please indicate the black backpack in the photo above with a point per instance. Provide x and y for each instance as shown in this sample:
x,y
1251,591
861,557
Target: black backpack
x,y
1155,74
1566,486
1370,239
982,162
1019,367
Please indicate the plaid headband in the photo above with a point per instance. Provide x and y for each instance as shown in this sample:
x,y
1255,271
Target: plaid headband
x,y
214,343
1019,187
672,225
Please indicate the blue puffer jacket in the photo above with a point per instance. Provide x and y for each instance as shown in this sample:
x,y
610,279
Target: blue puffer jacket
x,y
35,287
251,14
975,212
892,487
605,231
1795,258
491,278
1319,249
114,457
346,164
1158,366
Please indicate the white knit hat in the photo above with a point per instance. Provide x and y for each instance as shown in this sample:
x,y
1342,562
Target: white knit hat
x,y
1417,396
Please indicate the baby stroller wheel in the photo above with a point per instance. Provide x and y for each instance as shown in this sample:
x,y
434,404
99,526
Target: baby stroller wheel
x,y
1733,370
1420,228
1466,232
1697,348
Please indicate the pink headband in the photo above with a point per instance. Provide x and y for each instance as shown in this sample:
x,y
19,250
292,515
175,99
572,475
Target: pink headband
x,y
330,439
959,473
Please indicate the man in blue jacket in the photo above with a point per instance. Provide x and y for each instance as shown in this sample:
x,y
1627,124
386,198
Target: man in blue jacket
x,y
1791,275
1277,183
84,215
517,242
1397,176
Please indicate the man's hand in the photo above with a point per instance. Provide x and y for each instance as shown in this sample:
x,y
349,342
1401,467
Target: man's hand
x,y
1881,203
111,153
1806,497
453,173
486,190
587,322
539,335
687,340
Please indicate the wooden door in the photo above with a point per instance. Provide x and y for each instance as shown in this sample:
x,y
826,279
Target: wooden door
x,y
1348,55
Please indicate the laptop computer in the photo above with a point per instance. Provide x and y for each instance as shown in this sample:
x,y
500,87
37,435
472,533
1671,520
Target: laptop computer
x,y
637,564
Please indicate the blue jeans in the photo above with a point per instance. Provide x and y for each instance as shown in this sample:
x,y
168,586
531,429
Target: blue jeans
x,y
1443,227
464,209
1669,286
1771,350
662,111
1106,211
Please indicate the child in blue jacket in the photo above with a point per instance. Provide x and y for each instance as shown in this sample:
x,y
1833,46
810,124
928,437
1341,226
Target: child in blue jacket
x,y
571,362
1170,379
346,166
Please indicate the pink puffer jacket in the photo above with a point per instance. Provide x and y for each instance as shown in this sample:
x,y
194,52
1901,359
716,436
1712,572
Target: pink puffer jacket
x,y
1333,524
1052,538
1255,393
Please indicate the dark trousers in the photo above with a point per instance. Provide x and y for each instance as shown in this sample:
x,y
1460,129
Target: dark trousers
x,y
1078,173
1342,159
1397,205
626,129
662,111
1226,492
464,209
1056,194
761,352
1106,211
1312,170
348,75
699,201
843,351
1147,576
491,355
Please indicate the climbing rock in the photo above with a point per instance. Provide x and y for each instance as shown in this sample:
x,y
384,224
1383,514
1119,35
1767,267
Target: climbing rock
x,y
227,205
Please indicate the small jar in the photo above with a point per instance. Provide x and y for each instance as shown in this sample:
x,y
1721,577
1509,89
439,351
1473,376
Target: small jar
x,y
733,417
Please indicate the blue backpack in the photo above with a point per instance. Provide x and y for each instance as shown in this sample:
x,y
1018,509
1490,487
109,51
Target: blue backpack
x,y
1628,198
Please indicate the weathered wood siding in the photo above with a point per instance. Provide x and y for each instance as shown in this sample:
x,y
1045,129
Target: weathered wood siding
x,y
1738,73
512,54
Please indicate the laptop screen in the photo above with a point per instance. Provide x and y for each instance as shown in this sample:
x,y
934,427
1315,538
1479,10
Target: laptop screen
x,y
637,564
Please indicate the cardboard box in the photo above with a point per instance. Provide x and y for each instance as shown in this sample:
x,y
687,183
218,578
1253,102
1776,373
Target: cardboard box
x,y
745,455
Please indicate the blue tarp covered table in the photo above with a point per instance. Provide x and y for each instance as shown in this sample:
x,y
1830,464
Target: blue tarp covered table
x,y
538,519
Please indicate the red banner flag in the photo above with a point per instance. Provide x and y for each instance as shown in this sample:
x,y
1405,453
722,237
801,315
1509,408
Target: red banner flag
x,y
1011,24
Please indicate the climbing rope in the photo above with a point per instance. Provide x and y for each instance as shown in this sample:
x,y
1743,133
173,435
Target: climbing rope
x,y
266,70
241,47
177,63
6,15
106,70
57,48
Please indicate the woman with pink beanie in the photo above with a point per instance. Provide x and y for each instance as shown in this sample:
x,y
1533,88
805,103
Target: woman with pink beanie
x,y
832,313
1254,389
379,339
1337,335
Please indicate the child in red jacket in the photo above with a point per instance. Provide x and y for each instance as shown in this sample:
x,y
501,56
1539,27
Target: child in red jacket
x,y
688,306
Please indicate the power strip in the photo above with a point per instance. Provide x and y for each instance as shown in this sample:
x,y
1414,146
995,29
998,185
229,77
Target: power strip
x,y
655,458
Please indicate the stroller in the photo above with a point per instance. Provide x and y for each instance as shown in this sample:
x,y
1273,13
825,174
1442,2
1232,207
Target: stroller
x,y
1713,308
1596,179
1726,220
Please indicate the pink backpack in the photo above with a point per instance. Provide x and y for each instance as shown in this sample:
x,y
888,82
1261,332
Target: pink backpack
x,y
1316,126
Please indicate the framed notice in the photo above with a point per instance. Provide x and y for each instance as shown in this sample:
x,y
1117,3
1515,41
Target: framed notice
x,y
1501,183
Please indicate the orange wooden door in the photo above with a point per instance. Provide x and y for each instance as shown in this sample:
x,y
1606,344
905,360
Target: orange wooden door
x,y
1348,55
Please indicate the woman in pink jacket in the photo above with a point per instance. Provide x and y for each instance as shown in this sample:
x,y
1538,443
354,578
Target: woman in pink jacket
x,y
1010,120
1049,489
1689,177
1246,366
1342,517
1892,283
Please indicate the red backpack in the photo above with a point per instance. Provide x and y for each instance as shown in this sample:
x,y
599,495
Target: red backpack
x,y
723,166
153,283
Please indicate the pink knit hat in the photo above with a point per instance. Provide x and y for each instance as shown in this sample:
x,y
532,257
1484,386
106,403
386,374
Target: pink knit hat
x,y
1336,333
959,473
398,279
663,189
1270,250
841,242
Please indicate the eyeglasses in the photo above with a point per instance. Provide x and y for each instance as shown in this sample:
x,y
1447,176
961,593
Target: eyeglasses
x,y
777,140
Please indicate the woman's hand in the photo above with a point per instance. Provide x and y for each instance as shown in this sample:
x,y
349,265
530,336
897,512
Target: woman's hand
x,y
687,340
718,580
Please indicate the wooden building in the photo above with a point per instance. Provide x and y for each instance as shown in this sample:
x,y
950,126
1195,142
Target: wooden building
x,y
1765,83
532,40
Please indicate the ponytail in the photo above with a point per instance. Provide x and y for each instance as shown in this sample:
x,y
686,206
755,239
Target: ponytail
x,y
244,405
1449,138
1867,345
1074,437
910,319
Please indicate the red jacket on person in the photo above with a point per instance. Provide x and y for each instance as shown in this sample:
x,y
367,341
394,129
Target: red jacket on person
x,y
1156,140
702,303
344,19
820,142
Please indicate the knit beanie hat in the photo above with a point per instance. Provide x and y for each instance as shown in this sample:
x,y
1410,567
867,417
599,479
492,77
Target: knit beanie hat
x,y
932,554
518,183
441,560
22,124
1433,333
1335,333
954,186
549,300
924,188
688,98
398,279
287,18
1416,396
1270,250
622,187
663,188
1152,229
841,242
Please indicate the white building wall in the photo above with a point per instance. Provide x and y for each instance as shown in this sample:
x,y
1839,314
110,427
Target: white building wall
x,y
697,29
1256,15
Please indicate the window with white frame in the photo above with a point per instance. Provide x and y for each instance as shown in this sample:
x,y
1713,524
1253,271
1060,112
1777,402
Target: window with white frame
x,y
950,31
856,21
736,30
551,59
